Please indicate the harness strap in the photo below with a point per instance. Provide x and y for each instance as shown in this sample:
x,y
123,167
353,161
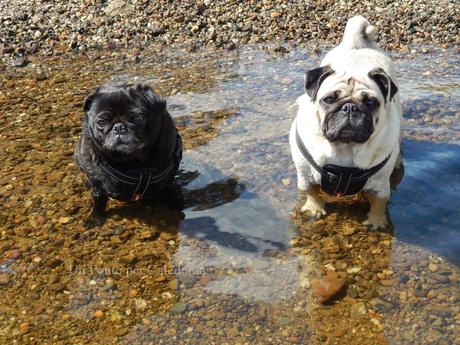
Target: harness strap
x,y
338,180
142,178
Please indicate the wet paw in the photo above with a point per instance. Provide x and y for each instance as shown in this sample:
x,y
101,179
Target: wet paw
x,y
94,221
314,209
376,222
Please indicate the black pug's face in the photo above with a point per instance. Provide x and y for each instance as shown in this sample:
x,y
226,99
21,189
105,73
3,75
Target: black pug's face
x,y
123,120
349,108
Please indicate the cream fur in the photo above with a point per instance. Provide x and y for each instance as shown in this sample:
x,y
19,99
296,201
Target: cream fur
x,y
353,58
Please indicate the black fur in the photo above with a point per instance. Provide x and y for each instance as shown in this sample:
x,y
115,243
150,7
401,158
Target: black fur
x,y
126,125
384,82
314,78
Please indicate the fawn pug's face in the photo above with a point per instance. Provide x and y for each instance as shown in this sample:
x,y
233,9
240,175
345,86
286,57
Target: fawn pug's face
x,y
349,107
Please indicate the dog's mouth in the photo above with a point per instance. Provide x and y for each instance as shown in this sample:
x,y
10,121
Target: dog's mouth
x,y
124,144
347,133
338,127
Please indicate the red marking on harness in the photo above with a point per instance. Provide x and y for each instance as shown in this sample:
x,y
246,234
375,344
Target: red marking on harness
x,y
137,197
338,194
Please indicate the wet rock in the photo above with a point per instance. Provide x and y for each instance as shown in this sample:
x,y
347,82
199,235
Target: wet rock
x,y
24,328
129,259
64,220
380,305
433,267
12,254
282,321
119,332
4,279
327,287
166,236
140,304
147,235
358,310
178,308
53,262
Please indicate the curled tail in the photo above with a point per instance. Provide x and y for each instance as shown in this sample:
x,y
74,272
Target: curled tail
x,y
359,33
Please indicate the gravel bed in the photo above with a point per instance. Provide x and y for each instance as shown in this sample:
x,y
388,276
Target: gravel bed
x,y
53,27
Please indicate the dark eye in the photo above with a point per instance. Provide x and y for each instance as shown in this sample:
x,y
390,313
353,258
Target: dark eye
x,y
101,122
329,99
138,119
370,103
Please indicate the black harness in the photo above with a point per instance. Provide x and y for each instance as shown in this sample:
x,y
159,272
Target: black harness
x,y
337,180
135,184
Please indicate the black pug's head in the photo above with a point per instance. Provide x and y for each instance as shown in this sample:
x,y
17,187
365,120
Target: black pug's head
x,y
123,121
349,107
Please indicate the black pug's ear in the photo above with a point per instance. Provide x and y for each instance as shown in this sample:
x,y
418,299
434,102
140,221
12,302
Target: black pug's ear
x,y
89,100
384,82
314,78
152,100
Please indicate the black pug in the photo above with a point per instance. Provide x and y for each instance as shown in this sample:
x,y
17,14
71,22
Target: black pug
x,y
129,148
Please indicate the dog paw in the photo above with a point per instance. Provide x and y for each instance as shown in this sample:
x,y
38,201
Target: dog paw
x,y
94,222
376,222
314,209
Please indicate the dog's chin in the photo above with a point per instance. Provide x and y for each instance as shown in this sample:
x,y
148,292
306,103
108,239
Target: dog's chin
x,y
347,135
122,150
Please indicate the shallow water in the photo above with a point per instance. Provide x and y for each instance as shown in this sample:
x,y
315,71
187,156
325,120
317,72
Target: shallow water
x,y
240,268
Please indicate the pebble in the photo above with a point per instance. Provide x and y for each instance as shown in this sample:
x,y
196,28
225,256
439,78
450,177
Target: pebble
x,y
168,236
282,321
146,235
24,328
433,267
119,332
286,181
327,287
178,308
358,310
99,314
4,279
12,254
64,220
140,304
128,259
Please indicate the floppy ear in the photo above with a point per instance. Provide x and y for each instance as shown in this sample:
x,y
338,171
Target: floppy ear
x,y
89,100
384,82
314,78
151,98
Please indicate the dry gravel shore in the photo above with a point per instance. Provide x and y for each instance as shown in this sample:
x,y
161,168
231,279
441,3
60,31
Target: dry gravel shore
x,y
52,27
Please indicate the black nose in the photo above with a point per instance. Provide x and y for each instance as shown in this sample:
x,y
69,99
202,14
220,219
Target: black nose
x,y
119,128
349,108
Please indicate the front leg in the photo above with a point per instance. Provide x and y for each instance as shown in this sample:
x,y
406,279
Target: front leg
x,y
173,197
314,204
376,218
97,217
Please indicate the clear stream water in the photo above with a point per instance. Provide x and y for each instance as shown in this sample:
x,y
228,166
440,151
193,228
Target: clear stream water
x,y
249,180
253,149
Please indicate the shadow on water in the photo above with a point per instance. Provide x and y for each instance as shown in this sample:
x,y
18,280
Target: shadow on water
x,y
425,207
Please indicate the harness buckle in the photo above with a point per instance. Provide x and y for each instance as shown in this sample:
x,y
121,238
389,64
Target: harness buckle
x,y
136,197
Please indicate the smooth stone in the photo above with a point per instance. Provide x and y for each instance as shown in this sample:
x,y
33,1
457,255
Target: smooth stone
x,y
327,287
358,310
4,279
178,308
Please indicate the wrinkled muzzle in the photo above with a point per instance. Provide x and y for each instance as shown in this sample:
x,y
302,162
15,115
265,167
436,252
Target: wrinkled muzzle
x,y
121,140
348,124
